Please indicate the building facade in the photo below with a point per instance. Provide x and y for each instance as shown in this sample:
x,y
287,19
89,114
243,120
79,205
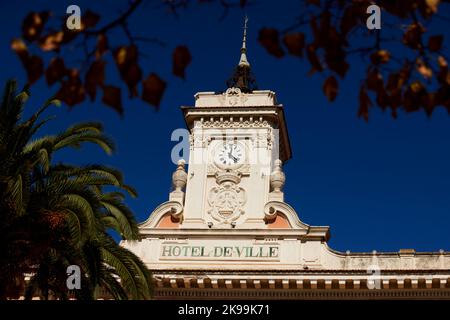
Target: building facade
x,y
227,233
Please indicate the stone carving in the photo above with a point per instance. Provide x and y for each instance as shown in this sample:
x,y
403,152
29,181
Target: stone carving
x,y
176,211
277,178
179,180
234,96
235,124
270,213
227,198
179,177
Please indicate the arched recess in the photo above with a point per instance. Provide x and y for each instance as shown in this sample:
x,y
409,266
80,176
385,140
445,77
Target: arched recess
x,y
280,222
169,209
283,215
167,222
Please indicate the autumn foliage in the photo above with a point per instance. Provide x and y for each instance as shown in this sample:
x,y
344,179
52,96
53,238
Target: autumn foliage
x,y
405,63
88,78
330,33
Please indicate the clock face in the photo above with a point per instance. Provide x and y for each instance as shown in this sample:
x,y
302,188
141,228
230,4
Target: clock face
x,y
229,153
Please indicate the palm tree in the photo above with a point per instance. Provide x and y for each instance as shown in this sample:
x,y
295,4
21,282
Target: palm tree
x,y
56,215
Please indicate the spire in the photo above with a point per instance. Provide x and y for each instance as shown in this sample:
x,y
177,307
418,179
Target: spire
x,y
242,77
244,62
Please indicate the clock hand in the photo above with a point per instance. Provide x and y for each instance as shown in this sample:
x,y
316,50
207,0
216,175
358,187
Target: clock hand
x,y
230,153
233,157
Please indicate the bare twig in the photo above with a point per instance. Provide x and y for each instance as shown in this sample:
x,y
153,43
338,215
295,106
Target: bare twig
x,y
150,40
127,32
117,22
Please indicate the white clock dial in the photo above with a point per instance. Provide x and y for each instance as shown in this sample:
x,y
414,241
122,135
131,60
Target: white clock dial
x,y
229,154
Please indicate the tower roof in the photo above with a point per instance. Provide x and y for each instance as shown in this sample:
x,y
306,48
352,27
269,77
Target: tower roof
x,y
243,77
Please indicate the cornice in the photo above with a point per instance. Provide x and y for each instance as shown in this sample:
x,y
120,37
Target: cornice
x,y
334,294
273,114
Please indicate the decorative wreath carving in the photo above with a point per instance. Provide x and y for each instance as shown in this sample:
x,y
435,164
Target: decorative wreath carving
x,y
227,199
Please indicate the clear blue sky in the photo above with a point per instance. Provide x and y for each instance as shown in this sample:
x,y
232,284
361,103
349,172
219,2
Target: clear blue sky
x,y
382,185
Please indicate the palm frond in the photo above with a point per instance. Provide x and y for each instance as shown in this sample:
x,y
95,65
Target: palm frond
x,y
15,191
125,219
60,214
75,140
81,206
124,269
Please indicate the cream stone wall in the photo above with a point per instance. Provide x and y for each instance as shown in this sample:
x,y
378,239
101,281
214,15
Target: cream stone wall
x,y
217,231
234,97
292,254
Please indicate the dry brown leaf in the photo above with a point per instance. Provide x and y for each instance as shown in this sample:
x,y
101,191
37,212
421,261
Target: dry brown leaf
x,y
435,42
380,56
102,45
35,68
94,78
56,70
295,43
364,104
335,59
20,48
313,59
350,19
33,24
429,101
269,39
51,41
112,97
126,60
412,36
330,88
153,89
374,80
417,87
433,5
89,20
442,62
72,90
382,98
423,69
181,58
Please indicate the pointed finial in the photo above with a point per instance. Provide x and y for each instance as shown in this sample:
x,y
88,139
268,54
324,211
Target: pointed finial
x,y
179,177
243,78
243,62
277,177
245,32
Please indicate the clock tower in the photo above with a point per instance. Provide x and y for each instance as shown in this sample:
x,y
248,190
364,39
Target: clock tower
x,y
238,143
226,231
231,195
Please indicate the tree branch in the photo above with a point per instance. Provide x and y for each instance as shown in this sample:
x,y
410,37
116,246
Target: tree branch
x,y
115,23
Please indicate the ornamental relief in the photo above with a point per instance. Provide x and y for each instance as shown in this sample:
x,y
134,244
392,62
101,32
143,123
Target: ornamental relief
x,y
260,140
226,201
212,169
227,198
233,97
235,124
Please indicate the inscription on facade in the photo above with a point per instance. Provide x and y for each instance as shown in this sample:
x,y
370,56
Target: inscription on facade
x,y
254,252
